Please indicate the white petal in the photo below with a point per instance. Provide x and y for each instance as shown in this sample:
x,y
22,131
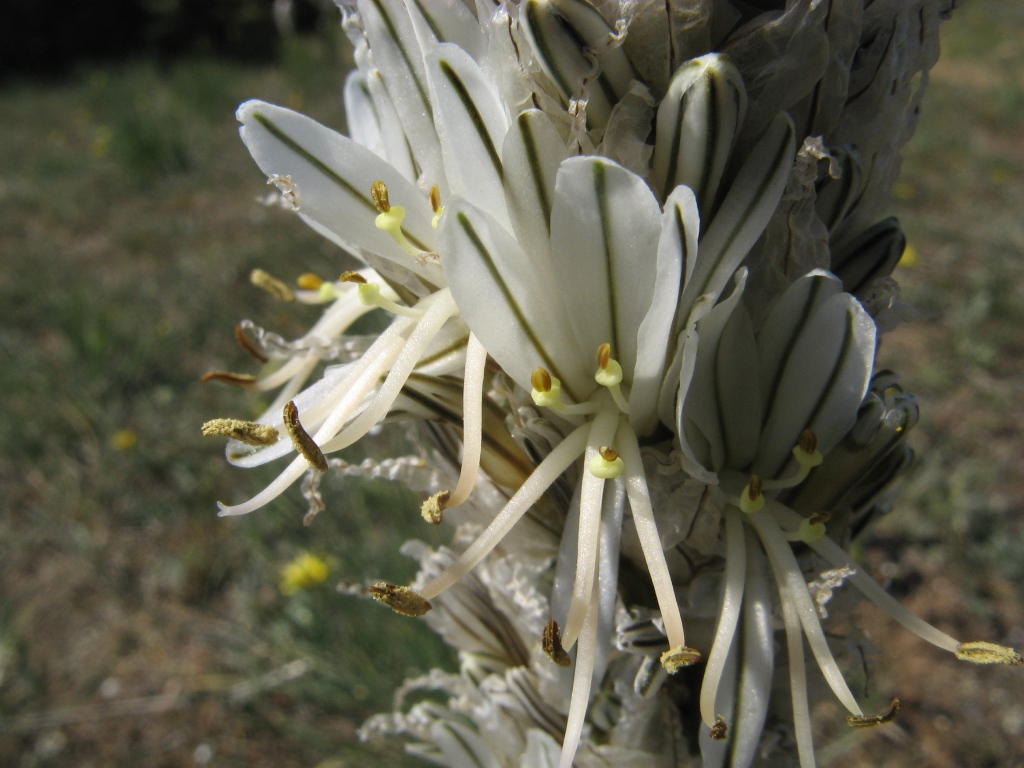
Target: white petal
x,y
605,226
361,114
448,21
531,154
824,382
471,124
677,251
333,176
398,56
396,144
744,213
510,302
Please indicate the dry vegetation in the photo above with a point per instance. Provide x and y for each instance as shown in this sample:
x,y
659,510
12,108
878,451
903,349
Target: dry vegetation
x,y
138,629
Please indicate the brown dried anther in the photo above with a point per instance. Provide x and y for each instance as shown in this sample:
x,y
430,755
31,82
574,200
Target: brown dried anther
x,y
226,377
399,599
551,642
719,731
675,659
303,443
867,721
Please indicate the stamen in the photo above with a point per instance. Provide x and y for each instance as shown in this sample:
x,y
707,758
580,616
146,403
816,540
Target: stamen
x,y
811,529
243,380
650,540
472,419
719,731
547,393
798,683
582,679
432,508
751,498
390,218
271,285
609,374
435,205
866,721
606,464
300,438
807,455
551,642
728,614
549,470
309,281
980,652
399,599
352,277
246,343
248,432
675,659
369,295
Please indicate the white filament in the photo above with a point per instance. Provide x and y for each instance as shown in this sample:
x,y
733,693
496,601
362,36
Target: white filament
x,y
797,682
582,679
728,615
472,420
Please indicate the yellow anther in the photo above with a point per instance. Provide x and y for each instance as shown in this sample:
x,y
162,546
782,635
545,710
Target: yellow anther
x,y
551,642
606,464
271,285
980,652
604,354
435,205
675,659
379,194
806,451
309,281
609,372
541,380
751,498
547,390
400,599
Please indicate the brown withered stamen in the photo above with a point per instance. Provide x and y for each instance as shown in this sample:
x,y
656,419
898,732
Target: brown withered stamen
x,y
551,642
352,277
248,432
719,731
379,194
247,344
808,441
226,377
607,453
309,281
675,659
754,487
271,285
867,721
819,517
303,443
432,508
604,354
399,599
435,198
980,652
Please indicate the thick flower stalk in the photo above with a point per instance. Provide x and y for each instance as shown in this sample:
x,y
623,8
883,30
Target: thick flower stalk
x,y
636,271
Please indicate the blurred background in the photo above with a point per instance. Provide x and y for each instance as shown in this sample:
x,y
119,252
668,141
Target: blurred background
x,y
137,628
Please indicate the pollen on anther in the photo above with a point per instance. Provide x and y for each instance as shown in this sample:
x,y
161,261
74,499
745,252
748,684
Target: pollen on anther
x,y
248,432
379,194
270,284
432,508
866,721
719,731
399,599
980,652
675,659
309,281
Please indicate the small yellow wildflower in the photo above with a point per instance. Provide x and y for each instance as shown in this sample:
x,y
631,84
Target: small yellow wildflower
x,y
909,257
123,440
304,572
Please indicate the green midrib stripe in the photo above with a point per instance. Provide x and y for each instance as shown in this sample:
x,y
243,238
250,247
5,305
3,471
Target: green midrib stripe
x,y
474,115
319,164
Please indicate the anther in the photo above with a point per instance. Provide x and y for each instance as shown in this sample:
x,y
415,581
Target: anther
x,y
271,285
352,277
432,508
751,497
547,389
811,529
226,377
247,344
604,354
309,281
719,731
609,372
303,443
399,599
369,295
435,205
606,464
551,642
675,659
806,451
980,652
248,432
541,380
866,721
379,194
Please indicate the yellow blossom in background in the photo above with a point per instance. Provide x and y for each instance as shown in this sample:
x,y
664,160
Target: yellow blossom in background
x,y
909,257
124,440
304,572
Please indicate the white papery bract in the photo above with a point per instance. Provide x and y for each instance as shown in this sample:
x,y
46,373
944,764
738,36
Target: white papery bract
x,y
632,255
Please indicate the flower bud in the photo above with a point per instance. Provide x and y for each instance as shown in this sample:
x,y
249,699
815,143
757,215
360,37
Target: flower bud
x,y
872,254
698,121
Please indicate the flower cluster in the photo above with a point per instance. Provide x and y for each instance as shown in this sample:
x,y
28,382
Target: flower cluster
x,y
637,270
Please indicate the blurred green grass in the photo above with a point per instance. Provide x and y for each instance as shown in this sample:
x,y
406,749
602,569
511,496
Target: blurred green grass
x,y
128,227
